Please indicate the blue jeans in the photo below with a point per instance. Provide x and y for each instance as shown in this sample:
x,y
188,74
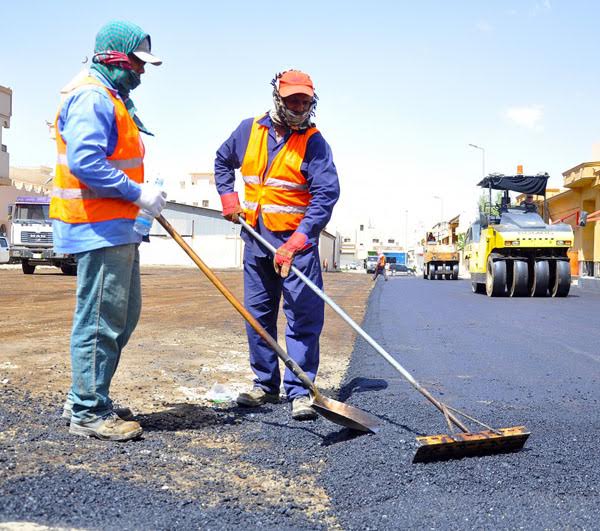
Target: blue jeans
x,y
108,307
304,312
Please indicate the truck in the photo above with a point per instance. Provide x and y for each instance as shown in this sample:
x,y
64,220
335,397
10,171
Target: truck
x,y
31,241
511,250
440,260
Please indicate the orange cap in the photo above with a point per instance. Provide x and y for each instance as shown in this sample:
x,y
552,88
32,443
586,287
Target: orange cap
x,y
295,82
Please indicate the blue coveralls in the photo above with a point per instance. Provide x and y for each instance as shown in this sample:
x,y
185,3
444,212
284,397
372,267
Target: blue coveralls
x,y
263,287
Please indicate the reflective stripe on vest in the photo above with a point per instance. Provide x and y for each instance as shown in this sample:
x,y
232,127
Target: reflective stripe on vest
x,y
72,201
281,193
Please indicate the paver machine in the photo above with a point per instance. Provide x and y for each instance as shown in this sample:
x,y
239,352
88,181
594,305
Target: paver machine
x,y
515,252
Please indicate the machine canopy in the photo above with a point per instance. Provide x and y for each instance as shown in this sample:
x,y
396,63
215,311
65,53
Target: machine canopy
x,y
525,184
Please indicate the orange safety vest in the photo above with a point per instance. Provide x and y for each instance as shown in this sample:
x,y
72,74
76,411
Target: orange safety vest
x,y
281,193
72,201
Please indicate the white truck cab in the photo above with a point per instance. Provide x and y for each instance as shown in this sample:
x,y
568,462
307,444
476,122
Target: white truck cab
x,y
4,251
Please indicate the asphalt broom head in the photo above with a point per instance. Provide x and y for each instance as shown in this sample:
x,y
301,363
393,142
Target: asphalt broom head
x,y
459,445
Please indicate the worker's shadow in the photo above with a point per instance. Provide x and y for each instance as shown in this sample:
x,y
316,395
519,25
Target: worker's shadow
x,y
361,385
187,416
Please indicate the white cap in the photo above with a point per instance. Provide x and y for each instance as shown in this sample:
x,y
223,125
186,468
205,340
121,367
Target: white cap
x,y
142,52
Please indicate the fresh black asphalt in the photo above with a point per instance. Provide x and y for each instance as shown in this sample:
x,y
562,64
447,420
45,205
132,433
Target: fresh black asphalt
x,y
505,361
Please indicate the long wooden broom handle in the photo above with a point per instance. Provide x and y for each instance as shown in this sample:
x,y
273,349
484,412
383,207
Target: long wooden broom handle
x,y
289,362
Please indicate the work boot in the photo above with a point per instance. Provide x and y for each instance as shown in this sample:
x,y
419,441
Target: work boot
x,y
108,428
302,409
123,413
257,396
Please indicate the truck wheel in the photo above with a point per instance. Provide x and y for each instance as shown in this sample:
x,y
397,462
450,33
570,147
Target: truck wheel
x,y
562,279
541,279
455,272
439,272
28,268
520,279
70,270
495,279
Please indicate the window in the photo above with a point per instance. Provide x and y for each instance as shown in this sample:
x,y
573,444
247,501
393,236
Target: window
x,y
195,203
3,242
391,241
346,240
362,227
375,240
205,202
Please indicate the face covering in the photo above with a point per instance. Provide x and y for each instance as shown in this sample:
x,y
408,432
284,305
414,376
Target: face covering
x,y
114,42
283,116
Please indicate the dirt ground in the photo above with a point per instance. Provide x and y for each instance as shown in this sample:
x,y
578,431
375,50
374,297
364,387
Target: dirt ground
x,y
189,338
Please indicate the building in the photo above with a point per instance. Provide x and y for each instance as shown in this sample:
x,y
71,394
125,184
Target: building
x,y
5,114
580,199
367,240
195,189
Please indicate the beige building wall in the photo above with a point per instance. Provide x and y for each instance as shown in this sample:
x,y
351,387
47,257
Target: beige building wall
x,y
582,194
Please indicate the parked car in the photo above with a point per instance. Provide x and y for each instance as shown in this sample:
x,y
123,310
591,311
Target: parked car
x,y
4,250
371,263
399,269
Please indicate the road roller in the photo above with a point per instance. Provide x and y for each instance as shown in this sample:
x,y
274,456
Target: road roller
x,y
510,250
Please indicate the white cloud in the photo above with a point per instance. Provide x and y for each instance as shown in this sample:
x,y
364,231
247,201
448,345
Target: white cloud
x,y
484,26
529,117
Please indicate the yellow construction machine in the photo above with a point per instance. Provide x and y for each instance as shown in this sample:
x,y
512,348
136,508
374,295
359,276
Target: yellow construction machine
x,y
511,251
440,253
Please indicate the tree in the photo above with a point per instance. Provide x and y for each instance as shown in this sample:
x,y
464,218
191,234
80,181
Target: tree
x,y
484,205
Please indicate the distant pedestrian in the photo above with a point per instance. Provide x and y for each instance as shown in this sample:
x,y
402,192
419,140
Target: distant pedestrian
x,y
325,264
98,191
380,268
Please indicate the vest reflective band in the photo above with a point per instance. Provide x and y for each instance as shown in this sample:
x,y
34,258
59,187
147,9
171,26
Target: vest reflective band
x,y
72,201
281,194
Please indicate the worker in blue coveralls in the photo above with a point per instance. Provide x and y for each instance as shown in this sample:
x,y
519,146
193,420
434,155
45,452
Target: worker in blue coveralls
x,y
97,193
290,188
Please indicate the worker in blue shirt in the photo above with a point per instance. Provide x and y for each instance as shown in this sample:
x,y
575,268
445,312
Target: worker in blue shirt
x,y
291,186
97,192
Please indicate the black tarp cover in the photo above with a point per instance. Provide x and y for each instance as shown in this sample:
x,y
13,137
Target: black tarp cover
x,y
526,184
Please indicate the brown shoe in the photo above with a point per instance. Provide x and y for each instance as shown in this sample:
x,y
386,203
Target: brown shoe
x,y
257,396
108,428
302,409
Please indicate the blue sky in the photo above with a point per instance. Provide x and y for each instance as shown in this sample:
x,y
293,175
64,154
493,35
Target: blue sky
x,y
404,87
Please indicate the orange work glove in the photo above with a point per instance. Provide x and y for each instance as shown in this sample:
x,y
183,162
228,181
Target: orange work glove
x,y
231,207
285,254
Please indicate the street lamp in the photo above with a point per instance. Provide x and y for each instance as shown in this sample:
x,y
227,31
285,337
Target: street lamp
x,y
482,158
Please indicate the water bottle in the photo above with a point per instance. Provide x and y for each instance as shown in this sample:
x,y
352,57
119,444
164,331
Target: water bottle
x,y
144,219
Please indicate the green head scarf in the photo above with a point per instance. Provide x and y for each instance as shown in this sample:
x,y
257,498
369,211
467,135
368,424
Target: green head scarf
x,y
115,40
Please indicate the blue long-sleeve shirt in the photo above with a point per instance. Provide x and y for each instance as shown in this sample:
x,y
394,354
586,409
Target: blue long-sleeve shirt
x,y
87,125
317,167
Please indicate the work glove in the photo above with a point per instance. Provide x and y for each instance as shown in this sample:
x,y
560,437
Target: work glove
x,y
285,254
152,199
232,210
